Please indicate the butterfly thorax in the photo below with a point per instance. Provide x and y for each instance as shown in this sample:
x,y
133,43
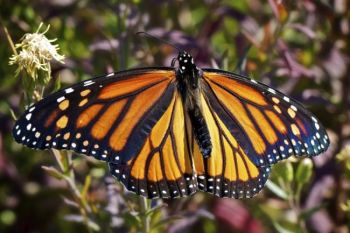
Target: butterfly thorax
x,y
188,77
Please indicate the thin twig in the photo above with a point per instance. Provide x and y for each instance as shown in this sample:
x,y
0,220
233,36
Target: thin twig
x,y
64,161
9,39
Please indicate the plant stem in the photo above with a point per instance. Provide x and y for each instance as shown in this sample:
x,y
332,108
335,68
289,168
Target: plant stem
x,y
9,39
301,221
65,163
67,169
145,220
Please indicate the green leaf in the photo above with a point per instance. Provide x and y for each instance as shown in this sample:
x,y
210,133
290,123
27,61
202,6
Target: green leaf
x,y
304,171
155,209
282,229
285,171
62,160
131,219
14,117
86,187
276,190
53,172
94,226
166,221
57,85
70,202
80,219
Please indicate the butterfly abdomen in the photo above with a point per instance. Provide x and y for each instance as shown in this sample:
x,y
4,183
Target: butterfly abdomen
x,y
201,131
188,76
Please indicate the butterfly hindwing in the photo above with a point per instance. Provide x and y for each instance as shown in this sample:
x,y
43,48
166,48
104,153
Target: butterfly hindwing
x,y
163,168
268,125
229,171
107,117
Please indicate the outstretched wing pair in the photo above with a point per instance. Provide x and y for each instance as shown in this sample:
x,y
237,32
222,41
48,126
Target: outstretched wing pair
x,y
135,120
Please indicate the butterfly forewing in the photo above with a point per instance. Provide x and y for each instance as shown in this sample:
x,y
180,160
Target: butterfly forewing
x,y
107,117
268,125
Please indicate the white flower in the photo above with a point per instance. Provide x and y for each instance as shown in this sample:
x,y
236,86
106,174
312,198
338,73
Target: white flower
x,y
36,53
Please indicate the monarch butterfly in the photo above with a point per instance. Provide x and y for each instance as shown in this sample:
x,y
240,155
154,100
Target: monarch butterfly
x,y
169,131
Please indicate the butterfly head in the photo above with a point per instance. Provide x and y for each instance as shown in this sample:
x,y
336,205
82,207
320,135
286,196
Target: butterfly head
x,y
186,62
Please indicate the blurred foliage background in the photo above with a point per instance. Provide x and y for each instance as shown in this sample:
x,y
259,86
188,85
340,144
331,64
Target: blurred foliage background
x,y
299,47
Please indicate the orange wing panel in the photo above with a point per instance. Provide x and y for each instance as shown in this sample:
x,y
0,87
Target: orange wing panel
x,y
276,121
239,88
225,147
215,163
237,110
139,165
102,126
230,166
180,139
263,124
229,171
171,168
133,84
52,116
141,104
165,158
155,172
86,116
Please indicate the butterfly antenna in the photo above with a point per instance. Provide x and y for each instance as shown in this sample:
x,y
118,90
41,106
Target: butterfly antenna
x,y
159,39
